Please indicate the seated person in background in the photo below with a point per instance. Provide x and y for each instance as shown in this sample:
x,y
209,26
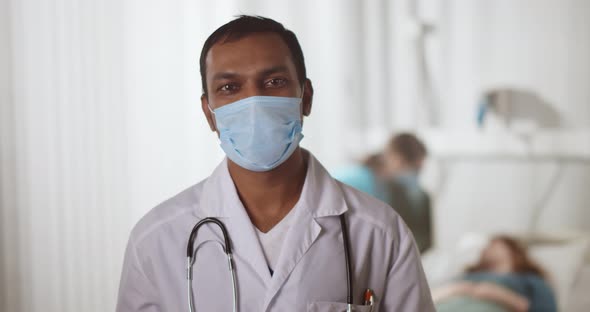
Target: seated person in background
x,y
402,163
366,177
504,279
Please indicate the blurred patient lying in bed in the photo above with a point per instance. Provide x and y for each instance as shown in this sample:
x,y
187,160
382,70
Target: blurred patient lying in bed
x,y
504,279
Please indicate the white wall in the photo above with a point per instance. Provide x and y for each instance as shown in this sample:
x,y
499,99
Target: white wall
x,y
539,46
63,142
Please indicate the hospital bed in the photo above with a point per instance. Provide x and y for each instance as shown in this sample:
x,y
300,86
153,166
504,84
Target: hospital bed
x,y
565,257
497,182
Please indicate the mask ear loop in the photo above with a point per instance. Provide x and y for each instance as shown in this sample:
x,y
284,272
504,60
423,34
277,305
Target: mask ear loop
x,y
212,112
301,103
302,92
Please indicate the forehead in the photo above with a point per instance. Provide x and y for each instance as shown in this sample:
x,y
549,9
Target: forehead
x,y
249,54
499,246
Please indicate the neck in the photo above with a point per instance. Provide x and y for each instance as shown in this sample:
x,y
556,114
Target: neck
x,y
269,196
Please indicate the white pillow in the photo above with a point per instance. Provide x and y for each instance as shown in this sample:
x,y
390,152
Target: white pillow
x,y
562,262
578,300
442,266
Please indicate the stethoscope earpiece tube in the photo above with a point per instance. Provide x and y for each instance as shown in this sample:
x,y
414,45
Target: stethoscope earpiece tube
x,y
193,236
346,243
190,261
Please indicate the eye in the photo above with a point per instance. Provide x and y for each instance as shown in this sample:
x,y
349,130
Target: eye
x,y
228,88
276,83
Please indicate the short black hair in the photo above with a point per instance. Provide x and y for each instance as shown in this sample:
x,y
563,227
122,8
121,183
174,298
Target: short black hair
x,y
409,147
245,25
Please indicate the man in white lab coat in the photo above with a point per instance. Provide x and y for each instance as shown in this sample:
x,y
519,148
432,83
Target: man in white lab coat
x,y
280,206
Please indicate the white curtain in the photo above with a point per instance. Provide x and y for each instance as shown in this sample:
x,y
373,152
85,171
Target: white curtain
x,y
100,120
64,124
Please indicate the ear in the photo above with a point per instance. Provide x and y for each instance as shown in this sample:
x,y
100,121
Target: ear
x,y
207,112
307,100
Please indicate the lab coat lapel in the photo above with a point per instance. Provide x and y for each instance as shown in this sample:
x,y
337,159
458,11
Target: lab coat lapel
x,y
247,249
220,199
303,233
321,197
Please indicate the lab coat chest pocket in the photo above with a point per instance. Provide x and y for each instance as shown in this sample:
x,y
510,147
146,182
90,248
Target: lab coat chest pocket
x,y
336,307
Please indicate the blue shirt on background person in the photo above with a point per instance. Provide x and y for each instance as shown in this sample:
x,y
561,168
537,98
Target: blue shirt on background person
x,y
531,286
364,179
393,177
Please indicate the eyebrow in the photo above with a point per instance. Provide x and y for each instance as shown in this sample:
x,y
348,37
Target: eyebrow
x,y
273,70
224,75
265,72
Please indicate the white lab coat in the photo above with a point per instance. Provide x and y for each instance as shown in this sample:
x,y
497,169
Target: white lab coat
x,y
310,274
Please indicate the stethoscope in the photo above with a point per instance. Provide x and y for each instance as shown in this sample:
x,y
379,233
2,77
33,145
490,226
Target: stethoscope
x,y
190,260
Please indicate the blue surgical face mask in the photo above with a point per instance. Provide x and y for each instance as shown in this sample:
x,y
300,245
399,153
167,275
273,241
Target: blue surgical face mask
x,y
260,132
